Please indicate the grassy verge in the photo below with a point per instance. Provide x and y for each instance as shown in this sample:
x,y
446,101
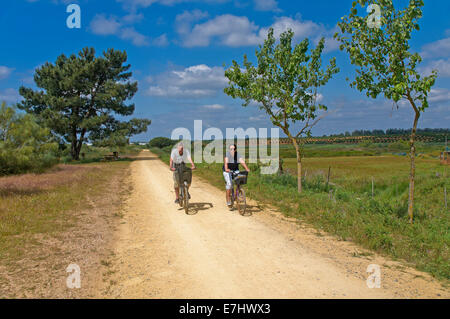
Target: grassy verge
x,y
346,208
48,203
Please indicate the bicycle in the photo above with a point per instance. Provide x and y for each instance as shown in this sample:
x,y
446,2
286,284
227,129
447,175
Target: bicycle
x,y
239,178
184,176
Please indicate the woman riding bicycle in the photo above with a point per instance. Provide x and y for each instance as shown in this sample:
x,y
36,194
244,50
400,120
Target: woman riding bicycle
x,y
231,164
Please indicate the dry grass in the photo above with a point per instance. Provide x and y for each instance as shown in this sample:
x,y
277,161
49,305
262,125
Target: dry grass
x,y
36,183
48,221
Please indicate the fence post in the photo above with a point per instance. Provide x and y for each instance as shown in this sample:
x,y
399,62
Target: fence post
x,y
445,197
328,177
372,187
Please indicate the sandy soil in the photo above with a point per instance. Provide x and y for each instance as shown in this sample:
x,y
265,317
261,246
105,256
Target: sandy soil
x,y
160,252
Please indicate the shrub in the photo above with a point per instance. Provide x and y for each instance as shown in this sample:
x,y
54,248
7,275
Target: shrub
x,y
161,142
24,145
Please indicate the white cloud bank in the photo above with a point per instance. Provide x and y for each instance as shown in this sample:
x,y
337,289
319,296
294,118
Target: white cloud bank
x,y
193,82
266,5
437,49
102,25
438,56
236,31
441,65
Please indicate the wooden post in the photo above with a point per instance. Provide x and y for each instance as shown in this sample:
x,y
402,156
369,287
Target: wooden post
x,y
372,187
445,197
306,173
328,177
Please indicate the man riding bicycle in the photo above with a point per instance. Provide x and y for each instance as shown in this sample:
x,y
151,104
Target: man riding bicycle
x,y
231,164
178,157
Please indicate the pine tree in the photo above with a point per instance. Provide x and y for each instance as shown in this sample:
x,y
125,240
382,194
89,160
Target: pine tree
x,y
80,94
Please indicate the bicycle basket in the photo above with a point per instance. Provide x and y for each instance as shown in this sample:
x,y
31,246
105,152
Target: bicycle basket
x,y
186,174
241,178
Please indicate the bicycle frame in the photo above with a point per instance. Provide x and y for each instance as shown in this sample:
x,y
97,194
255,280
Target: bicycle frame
x,y
235,194
234,190
183,187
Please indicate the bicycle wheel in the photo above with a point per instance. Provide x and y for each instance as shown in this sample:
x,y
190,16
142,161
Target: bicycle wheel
x,y
241,201
181,198
186,199
232,199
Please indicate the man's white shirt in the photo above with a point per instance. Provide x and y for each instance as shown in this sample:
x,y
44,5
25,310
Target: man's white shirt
x,y
177,158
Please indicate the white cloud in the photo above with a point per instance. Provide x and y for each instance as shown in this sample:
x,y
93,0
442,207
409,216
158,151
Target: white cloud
x,y
9,96
161,41
133,18
442,66
131,34
192,82
101,25
183,21
133,5
214,107
436,49
5,72
235,31
439,95
266,5
300,28
231,31
105,26
257,118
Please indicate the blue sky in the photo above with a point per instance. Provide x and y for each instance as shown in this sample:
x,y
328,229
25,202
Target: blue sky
x,y
178,49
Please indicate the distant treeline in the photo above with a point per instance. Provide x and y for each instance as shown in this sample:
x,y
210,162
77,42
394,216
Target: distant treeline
x,y
392,131
436,135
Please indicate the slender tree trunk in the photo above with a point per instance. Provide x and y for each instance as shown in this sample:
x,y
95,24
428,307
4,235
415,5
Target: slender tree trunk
x,y
73,147
413,167
80,144
76,144
299,164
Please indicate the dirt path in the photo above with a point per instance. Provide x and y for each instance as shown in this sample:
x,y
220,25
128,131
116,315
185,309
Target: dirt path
x,y
163,253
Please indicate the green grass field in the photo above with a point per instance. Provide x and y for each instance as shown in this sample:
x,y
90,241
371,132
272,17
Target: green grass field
x,y
346,208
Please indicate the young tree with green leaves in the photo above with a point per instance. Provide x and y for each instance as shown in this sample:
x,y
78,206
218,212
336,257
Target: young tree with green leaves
x,y
385,62
24,145
80,94
285,85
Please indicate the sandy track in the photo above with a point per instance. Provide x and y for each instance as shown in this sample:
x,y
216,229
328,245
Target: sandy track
x,y
161,252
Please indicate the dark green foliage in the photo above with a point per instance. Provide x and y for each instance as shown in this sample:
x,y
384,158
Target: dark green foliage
x,y
80,94
161,142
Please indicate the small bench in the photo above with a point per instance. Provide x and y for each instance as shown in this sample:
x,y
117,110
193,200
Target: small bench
x,y
111,157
